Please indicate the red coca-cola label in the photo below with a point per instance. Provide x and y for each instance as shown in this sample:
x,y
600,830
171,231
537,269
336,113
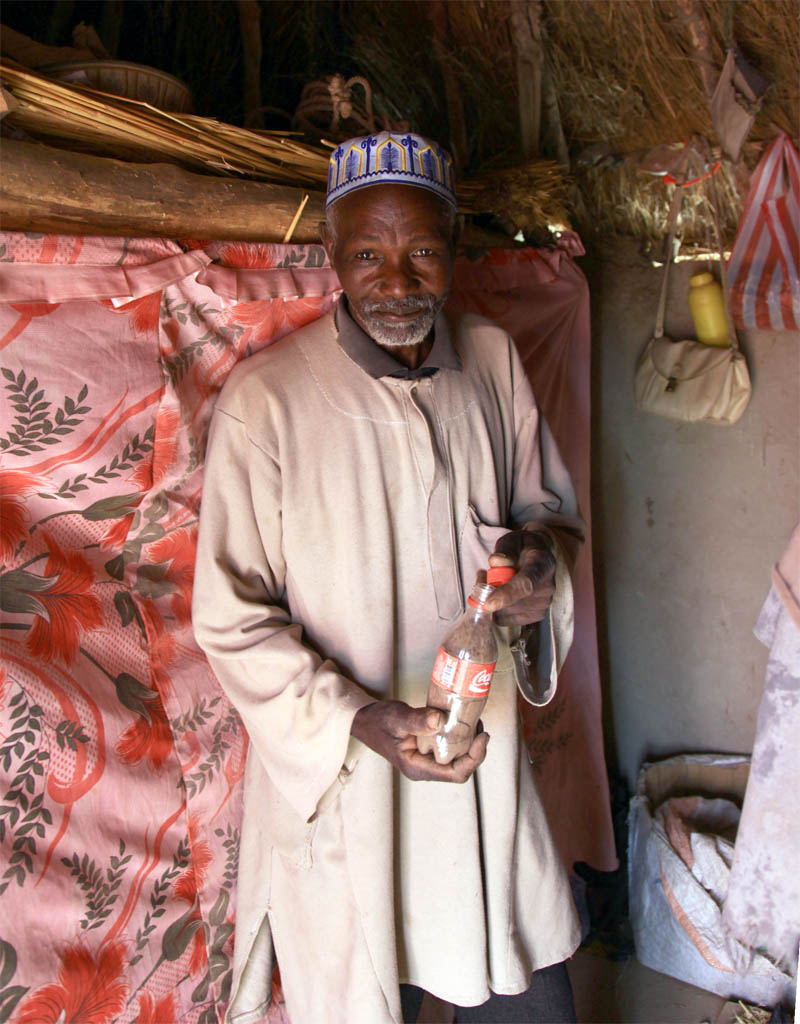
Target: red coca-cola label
x,y
465,678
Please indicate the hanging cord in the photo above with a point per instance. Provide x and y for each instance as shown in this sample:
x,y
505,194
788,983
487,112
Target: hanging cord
x,y
334,100
727,23
669,255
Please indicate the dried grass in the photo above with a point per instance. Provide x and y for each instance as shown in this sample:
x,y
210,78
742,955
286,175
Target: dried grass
x,y
527,198
624,74
94,121
625,201
628,76
751,1014
86,119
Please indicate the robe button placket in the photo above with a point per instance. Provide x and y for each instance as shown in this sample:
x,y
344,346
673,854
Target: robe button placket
x,y
431,463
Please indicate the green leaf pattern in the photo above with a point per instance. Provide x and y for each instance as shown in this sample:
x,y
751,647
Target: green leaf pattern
x,y
80,431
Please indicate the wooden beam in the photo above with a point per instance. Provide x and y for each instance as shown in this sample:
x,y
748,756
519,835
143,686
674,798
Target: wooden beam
x,y
62,192
57,191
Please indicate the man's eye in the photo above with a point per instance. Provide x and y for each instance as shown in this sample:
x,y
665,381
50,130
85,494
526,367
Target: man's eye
x,y
365,254
423,251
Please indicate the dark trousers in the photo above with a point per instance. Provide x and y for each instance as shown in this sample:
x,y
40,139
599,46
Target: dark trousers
x,y
548,1000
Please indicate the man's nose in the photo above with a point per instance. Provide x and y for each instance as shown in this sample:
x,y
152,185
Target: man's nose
x,y
399,279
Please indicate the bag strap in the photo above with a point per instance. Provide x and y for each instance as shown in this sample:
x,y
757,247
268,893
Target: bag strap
x,y
669,255
693,157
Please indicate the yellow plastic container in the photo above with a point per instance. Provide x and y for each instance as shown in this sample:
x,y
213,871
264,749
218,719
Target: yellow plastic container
x,y
707,306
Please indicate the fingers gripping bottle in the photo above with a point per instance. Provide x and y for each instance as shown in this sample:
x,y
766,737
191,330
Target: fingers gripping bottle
x,y
462,673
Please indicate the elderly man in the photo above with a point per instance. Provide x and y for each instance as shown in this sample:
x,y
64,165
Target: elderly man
x,y
360,473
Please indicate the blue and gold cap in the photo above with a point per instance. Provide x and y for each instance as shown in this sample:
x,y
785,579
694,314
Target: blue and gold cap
x,y
389,157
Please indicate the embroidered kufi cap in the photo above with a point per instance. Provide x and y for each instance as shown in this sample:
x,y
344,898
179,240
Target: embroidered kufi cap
x,y
389,157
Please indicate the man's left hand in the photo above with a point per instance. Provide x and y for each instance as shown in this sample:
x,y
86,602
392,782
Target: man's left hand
x,y
527,596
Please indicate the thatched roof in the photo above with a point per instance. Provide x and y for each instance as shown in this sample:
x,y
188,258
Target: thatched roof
x,y
551,107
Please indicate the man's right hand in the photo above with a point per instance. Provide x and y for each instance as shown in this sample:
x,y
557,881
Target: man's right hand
x,y
390,728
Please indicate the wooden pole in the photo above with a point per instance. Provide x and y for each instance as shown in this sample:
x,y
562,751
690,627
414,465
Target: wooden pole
x,y
60,192
526,39
552,118
693,17
250,24
455,109
111,25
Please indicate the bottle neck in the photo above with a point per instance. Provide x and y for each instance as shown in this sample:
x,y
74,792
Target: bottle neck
x,y
480,593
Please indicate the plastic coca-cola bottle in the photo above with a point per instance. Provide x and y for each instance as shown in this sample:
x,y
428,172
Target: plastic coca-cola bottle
x,y
462,673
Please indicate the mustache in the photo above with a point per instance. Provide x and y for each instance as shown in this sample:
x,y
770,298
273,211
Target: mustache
x,y
409,304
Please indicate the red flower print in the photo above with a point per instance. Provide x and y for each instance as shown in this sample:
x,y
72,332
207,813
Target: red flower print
x,y
193,243
153,1011
198,961
161,645
69,607
144,312
165,448
14,484
178,549
116,535
185,888
194,939
269,319
257,318
172,332
165,445
90,989
189,881
149,738
251,256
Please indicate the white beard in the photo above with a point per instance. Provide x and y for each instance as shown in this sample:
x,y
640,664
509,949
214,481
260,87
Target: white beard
x,y
400,335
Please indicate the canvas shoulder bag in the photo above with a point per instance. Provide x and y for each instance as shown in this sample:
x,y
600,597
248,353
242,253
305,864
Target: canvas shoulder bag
x,y
687,380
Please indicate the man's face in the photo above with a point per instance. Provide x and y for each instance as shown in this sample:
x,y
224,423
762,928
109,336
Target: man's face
x,y
392,247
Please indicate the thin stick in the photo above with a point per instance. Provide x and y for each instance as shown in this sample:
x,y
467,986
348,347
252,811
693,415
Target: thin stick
x,y
290,230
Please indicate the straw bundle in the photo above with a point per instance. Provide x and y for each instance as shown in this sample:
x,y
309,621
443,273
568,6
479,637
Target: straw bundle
x,y
90,120
529,198
624,72
525,197
626,75
626,201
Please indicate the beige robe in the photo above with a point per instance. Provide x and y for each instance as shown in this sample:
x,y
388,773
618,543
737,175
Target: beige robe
x,y
344,519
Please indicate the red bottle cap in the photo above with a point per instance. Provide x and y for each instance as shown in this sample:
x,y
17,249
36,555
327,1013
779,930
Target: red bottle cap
x,y
497,575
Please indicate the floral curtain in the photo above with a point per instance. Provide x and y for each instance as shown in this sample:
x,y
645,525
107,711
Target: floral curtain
x,y
120,758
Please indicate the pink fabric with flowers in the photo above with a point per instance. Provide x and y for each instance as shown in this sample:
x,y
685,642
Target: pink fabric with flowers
x,y
120,759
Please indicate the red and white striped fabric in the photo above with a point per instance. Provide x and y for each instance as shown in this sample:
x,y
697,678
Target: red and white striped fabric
x,y
763,272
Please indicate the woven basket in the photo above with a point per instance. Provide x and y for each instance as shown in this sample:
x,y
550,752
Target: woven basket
x,y
122,78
